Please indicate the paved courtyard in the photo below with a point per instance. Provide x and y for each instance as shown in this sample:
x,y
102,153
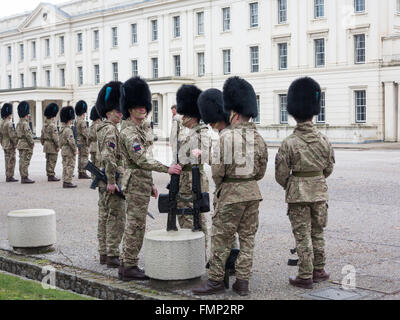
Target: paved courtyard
x,y
363,229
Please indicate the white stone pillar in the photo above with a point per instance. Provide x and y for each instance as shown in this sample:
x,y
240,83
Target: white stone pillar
x,y
390,114
39,117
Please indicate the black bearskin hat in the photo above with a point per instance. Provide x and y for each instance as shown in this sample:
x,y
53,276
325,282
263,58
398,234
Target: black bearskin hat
x,y
67,114
304,99
211,107
80,108
186,101
23,109
94,115
135,93
51,111
6,110
240,97
109,98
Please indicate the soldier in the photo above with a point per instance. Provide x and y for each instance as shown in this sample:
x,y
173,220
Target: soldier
x,y
194,148
96,119
25,142
111,222
50,141
82,139
68,146
138,181
237,191
304,161
9,141
175,128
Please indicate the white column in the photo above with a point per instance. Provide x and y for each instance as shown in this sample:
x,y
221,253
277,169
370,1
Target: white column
x,y
390,115
39,117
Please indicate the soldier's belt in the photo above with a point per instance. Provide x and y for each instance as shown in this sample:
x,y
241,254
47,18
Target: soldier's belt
x,y
134,166
307,174
188,167
227,179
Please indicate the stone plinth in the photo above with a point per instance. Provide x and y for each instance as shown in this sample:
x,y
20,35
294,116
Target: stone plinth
x,y
31,228
174,255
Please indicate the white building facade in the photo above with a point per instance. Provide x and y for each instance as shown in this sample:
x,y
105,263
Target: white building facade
x,y
66,53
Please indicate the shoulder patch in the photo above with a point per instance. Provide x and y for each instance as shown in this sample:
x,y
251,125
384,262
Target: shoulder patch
x,y
111,145
137,147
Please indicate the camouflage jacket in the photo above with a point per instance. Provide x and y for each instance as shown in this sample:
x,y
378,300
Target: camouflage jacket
x,y
1,131
306,150
136,145
49,137
191,139
67,141
93,137
109,151
25,136
242,155
9,138
83,133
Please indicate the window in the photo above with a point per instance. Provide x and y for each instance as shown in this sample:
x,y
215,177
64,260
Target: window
x,y
9,81
34,79
200,23
47,47
283,109
155,112
359,5
114,37
62,77
134,33
177,65
254,59
361,106
226,19
154,30
319,9
359,44
115,71
253,14
154,62
9,54
21,52
201,67
177,27
283,58
257,120
33,49
96,40
321,118
96,74
319,52
282,11
80,44
80,76
48,80
22,80
227,61
62,45
135,71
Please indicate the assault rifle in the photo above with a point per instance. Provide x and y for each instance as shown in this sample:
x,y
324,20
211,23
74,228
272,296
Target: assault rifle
x,y
75,132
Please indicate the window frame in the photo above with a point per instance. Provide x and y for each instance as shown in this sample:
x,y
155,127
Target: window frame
x,y
97,78
357,49
357,106
319,6
154,29
154,67
317,54
283,58
283,111
226,61
201,64
114,37
176,24
177,65
321,118
226,19
200,23
282,11
253,58
253,8
115,71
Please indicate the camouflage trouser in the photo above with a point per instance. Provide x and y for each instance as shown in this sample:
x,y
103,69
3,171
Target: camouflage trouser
x,y
10,157
186,221
111,223
68,163
308,222
25,157
241,218
136,212
93,160
51,162
83,158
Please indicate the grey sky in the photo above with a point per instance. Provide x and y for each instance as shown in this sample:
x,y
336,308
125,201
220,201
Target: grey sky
x,y
9,8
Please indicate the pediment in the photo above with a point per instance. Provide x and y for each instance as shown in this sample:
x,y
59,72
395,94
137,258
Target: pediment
x,y
44,16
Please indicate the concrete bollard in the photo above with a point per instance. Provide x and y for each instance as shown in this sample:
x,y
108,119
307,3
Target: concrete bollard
x,y
32,230
175,255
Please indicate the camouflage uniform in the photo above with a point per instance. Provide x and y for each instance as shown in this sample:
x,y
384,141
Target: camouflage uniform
x,y
68,149
93,142
51,145
136,144
25,146
176,126
83,144
238,198
189,140
9,142
111,221
304,161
